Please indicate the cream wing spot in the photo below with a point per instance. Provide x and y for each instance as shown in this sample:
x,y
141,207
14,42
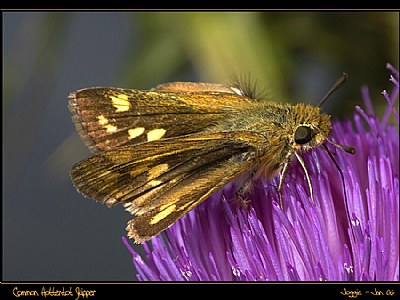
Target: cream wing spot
x,y
135,132
102,120
154,183
110,128
121,102
155,134
163,214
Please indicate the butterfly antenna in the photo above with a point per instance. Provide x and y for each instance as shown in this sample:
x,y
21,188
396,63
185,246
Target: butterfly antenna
x,y
337,85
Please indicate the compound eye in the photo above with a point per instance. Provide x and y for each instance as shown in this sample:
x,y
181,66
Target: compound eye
x,y
302,135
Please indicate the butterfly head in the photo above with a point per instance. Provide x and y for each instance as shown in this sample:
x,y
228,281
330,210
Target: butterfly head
x,y
309,127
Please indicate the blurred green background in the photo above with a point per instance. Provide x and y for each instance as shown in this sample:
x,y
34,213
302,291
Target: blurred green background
x,y
51,232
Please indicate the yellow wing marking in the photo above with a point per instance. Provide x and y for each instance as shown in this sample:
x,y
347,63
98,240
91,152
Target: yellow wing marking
x,y
135,132
121,102
155,134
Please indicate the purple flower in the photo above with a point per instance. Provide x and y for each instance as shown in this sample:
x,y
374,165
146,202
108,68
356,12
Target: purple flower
x,y
222,241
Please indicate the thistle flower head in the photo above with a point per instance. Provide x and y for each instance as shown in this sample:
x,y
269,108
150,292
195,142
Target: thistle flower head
x,y
337,239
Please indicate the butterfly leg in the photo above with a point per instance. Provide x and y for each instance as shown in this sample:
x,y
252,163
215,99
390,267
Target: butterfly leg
x,y
245,185
284,170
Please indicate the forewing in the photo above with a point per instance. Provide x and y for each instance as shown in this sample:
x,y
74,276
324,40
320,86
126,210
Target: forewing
x,y
107,118
162,180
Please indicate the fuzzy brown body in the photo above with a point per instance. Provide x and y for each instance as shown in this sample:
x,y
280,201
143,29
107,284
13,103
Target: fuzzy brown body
x,y
164,151
277,124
